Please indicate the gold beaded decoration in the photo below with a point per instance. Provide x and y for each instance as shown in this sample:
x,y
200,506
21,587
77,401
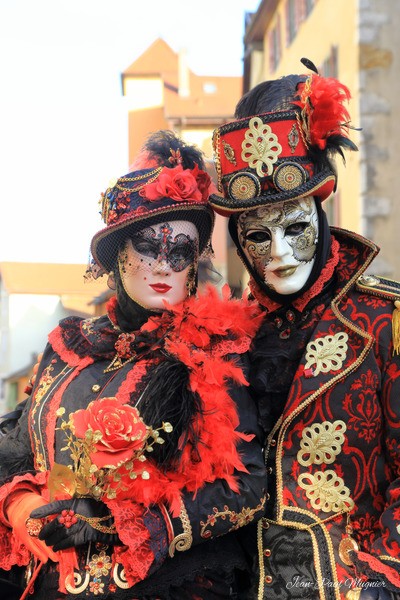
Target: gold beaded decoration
x,y
289,176
229,152
217,159
293,138
152,175
244,186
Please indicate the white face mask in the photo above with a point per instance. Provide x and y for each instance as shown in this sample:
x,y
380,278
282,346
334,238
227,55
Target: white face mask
x,y
280,242
159,263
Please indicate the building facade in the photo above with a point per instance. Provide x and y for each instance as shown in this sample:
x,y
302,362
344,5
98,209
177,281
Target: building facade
x,y
34,297
356,41
163,93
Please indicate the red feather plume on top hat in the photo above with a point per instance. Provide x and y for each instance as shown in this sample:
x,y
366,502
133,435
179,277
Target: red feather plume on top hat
x,y
322,108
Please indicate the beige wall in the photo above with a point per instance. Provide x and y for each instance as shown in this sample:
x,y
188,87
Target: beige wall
x,y
365,33
329,24
379,26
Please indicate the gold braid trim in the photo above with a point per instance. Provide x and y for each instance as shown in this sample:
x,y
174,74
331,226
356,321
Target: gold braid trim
x,y
95,523
182,541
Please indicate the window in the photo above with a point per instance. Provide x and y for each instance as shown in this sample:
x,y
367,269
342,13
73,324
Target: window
x,y
291,21
329,67
308,6
12,396
275,46
209,88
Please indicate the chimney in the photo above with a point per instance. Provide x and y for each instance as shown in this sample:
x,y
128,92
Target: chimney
x,y
183,74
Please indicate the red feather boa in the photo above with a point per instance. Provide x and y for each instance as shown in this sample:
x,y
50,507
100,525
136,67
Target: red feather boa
x,y
201,333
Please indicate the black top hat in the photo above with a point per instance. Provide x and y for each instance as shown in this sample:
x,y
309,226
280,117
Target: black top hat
x,y
171,187
282,151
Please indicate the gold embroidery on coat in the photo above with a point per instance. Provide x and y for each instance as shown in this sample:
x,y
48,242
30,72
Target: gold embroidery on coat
x,y
321,443
326,491
182,541
120,577
245,516
87,324
327,353
260,147
45,382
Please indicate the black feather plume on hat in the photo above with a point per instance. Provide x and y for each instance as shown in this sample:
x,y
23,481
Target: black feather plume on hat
x,y
164,149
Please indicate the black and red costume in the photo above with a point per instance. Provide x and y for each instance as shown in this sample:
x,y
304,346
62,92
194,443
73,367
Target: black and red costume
x,y
212,477
327,383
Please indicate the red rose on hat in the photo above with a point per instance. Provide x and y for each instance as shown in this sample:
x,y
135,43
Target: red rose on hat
x,y
203,182
178,184
118,428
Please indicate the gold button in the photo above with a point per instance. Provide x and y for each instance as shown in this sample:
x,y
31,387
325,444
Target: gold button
x,y
273,442
267,552
96,387
268,579
265,524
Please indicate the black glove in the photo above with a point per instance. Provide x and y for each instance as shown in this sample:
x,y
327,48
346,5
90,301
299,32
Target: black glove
x,y
79,521
376,590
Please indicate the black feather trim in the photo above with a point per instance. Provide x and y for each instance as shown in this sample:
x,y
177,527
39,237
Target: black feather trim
x,y
309,64
167,397
160,144
269,96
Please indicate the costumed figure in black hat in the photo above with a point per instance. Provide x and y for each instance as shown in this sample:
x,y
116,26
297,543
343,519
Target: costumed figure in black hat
x,y
138,449
325,364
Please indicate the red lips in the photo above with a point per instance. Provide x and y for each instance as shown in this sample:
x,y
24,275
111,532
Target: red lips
x,y
160,288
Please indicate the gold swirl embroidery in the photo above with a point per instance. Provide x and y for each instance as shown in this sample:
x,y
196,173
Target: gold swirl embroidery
x,y
120,577
245,516
321,443
326,491
327,353
184,540
80,583
260,147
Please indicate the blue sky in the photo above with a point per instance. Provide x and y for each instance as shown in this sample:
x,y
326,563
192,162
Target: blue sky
x,y
62,117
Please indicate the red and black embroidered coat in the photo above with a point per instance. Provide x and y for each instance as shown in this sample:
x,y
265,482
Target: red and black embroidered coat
x,y
333,435
215,487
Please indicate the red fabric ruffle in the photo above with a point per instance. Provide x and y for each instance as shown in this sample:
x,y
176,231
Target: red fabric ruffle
x,y
379,567
135,556
12,551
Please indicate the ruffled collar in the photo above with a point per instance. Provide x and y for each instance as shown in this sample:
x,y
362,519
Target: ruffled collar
x,y
207,323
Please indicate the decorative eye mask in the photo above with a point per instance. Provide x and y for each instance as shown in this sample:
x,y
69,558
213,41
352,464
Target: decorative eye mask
x,y
179,252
